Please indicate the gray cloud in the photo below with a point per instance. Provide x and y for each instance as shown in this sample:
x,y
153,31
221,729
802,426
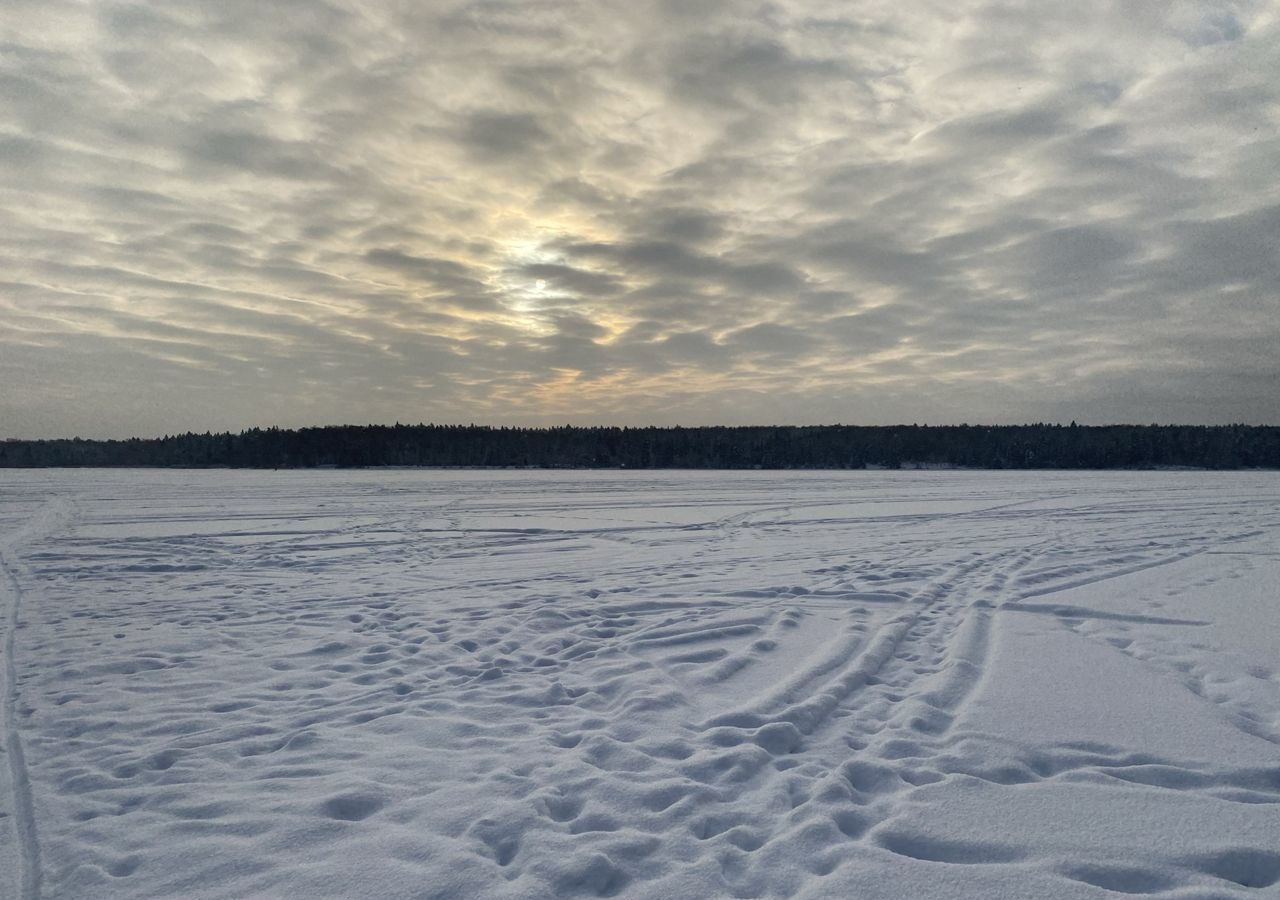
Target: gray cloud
x,y
494,136
220,215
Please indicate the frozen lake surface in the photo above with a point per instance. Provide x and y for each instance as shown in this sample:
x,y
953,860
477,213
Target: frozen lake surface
x,y
661,685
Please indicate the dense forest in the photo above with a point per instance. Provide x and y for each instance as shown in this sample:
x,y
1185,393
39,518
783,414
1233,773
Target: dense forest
x,y
743,447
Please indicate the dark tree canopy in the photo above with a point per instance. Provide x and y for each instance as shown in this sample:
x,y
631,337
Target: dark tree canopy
x,y
741,447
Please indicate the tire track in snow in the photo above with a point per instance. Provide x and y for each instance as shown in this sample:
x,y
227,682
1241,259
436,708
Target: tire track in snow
x,y
958,633
860,662
919,672
24,821
939,657
905,749
24,826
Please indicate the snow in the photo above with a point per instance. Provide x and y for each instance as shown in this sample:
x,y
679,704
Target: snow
x,y
463,684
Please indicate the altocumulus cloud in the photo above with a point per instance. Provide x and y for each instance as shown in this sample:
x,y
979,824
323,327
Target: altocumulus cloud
x,y
224,214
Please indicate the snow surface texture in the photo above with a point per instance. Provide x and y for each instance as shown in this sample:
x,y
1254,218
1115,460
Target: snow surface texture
x,y
675,685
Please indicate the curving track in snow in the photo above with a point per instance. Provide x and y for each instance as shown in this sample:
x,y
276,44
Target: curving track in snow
x,y
23,847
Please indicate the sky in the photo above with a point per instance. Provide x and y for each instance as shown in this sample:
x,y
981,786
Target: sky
x,y
222,214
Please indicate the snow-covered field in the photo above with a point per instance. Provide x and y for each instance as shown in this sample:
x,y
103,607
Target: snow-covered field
x,y
670,685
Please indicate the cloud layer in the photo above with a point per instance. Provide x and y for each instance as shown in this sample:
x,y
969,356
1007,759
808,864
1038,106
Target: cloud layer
x,y
540,211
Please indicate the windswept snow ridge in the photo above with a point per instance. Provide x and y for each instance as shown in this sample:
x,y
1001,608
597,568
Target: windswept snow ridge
x,y
643,685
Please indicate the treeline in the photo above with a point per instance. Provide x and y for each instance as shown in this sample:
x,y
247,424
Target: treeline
x,y
766,447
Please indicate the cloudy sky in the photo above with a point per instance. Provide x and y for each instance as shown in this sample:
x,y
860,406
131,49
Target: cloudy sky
x,y
221,213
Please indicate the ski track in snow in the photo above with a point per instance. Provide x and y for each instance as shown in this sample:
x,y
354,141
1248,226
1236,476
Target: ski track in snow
x,y
534,684
23,846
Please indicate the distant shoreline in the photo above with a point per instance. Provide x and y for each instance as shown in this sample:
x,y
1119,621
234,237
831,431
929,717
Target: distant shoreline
x,y
793,469
729,448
